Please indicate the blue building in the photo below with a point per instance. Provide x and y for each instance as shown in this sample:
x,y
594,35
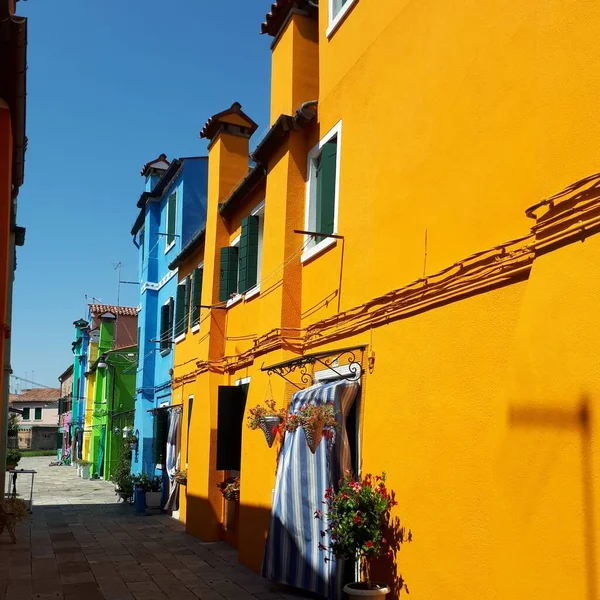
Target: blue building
x,y
80,350
172,211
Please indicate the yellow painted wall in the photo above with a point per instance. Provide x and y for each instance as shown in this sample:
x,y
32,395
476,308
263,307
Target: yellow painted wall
x,y
89,401
481,401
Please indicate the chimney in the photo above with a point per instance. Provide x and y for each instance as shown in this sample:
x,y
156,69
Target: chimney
x,y
154,170
294,25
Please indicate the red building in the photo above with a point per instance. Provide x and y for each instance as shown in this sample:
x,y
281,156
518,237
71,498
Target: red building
x,y
13,64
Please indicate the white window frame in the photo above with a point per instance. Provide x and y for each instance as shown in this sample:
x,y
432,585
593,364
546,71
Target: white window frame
x,y
312,249
258,211
196,328
336,19
243,381
238,296
167,245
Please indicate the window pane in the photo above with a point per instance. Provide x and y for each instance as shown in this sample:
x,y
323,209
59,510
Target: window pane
x,y
171,216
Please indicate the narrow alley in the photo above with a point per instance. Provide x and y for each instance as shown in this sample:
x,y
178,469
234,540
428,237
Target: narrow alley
x,y
81,544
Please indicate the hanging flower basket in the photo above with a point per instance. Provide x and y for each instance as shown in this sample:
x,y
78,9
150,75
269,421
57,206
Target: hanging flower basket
x,y
267,418
270,427
317,421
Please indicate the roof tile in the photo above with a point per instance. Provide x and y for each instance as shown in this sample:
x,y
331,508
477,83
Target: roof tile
x,y
36,395
125,311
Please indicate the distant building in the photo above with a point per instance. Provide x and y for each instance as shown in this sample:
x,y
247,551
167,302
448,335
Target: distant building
x,y
38,423
63,441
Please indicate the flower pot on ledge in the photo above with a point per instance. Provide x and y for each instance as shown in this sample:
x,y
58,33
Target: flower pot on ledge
x,y
360,590
230,516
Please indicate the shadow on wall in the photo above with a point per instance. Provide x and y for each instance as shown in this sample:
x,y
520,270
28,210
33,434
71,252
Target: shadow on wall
x,y
576,419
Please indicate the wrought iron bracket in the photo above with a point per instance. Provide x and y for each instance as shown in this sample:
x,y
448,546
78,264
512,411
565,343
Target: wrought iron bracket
x,y
332,360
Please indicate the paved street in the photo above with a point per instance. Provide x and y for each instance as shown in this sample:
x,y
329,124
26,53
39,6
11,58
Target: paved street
x,y
80,544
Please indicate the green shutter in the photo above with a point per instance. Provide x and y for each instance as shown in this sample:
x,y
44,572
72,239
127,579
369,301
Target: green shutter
x,y
164,327
38,414
59,440
229,269
26,414
171,217
171,311
180,310
326,178
196,295
248,254
186,308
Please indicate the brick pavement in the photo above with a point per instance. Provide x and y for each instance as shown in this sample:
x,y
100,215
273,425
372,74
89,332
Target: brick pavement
x,y
80,544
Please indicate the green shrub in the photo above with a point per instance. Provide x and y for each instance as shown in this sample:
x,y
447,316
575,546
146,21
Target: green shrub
x,y
13,456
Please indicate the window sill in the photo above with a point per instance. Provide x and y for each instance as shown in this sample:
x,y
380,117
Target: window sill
x,y
317,250
180,338
195,328
165,352
234,300
169,247
252,292
337,20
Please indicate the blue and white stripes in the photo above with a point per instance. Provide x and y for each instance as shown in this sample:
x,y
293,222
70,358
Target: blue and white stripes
x,y
292,554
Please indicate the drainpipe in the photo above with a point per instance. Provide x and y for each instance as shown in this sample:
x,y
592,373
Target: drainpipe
x,y
6,366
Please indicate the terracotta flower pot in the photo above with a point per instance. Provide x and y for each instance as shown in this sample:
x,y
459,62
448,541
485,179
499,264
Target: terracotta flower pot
x,y
356,590
268,426
314,435
230,514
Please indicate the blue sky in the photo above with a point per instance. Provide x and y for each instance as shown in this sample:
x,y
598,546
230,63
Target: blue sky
x,y
110,86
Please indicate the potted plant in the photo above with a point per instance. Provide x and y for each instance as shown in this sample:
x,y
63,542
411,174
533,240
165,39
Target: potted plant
x,y
84,468
151,486
121,476
181,477
13,511
13,456
356,516
316,421
230,488
268,418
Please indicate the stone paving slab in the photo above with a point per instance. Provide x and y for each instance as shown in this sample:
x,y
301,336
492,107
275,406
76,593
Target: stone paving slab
x,y
81,544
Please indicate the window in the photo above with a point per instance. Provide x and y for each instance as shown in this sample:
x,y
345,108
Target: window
x,y
171,220
38,414
159,437
338,9
182,308
322,195
230,419
166,325
197,295
228,285
26,414
189,416
241,262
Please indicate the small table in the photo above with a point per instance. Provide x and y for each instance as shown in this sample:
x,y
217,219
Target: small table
x,y
13,473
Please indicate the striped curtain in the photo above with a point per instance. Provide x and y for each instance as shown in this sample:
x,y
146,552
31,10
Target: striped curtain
x,y
172,459
292,554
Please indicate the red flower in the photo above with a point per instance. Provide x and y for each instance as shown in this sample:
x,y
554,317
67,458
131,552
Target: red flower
x,y
323,534
356,518
369,544
318,514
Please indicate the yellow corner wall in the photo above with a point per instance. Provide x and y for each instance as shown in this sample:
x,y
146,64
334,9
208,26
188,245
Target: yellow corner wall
x,y
455,118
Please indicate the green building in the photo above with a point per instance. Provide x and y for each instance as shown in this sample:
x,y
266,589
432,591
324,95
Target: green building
x,y
110,404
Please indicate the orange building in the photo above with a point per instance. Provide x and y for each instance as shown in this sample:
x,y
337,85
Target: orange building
x,y
392,220
13,48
